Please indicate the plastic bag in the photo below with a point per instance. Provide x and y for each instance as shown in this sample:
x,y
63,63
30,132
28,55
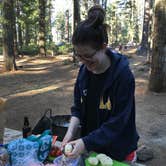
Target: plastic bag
x,y
21,149
33,148
31,162
62,160
44,142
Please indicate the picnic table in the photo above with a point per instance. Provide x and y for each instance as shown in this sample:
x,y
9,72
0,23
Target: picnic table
x,y
10,135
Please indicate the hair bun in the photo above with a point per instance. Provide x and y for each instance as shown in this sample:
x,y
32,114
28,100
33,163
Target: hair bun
x,y
96,16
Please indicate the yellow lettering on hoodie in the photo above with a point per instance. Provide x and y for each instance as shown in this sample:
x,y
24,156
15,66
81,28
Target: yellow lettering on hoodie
x,y
101,106
107,105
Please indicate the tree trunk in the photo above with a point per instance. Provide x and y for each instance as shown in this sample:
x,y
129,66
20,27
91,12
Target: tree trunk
x,y
157,80
76,13
49,20
20,36
42,42
149,50
27,36
104,4
76,18
144,41
18,8
15,37
67,36
8,36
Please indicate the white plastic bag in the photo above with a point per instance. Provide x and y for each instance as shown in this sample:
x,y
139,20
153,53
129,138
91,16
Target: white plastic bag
x,y
65,161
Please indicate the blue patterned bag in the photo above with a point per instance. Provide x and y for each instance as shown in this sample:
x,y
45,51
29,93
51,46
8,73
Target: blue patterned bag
x,y
33,147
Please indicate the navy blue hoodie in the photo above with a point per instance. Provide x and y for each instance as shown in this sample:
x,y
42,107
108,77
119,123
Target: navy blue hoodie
x,y
116,135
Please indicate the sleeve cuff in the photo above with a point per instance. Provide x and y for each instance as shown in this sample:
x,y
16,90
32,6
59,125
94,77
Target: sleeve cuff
x,y
88,143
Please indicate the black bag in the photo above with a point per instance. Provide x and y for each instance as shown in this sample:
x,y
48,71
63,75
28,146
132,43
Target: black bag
x,y
44,123
57,124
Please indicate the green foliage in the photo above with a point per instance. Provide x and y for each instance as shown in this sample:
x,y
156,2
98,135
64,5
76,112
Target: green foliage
x,y
59,24
122,18
29,50
51,48
64,49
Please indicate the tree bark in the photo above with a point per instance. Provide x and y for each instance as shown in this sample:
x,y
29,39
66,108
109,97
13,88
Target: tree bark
x,y
15,37
18,8
42,42
8,36
157,80
76,13
67,36
49,20
27,36
104,4
144,41
76,18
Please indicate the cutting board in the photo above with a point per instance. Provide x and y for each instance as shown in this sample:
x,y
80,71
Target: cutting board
x,y
115,163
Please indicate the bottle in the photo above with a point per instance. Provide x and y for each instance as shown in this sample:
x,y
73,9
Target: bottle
x,y
4,156
26,130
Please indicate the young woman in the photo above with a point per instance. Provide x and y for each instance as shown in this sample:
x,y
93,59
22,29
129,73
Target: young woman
x,y
104,101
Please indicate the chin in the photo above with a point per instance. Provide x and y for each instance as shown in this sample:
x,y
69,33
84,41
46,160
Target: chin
x,y
91,69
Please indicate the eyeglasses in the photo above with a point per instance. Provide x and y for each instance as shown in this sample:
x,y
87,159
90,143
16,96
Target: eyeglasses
x,y
85,56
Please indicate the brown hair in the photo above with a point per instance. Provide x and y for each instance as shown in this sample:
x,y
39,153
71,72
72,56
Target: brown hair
x,y
92,31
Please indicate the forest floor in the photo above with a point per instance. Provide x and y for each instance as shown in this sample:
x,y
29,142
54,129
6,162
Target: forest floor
x,y
47,82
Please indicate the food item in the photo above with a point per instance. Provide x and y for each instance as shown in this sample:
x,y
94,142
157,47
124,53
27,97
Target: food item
x,y
55,151
106,161
100,156
68,148
93,160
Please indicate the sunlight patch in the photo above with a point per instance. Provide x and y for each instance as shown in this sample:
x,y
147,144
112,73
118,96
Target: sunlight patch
x,y
36,91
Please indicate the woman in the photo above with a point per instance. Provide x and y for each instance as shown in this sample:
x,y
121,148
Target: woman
x,y
104,103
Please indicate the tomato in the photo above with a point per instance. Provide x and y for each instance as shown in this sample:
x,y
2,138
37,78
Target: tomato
x,y
55,151
59,152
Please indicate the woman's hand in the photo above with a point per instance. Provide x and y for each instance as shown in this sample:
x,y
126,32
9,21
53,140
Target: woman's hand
x,y
78,148
73,127
68,137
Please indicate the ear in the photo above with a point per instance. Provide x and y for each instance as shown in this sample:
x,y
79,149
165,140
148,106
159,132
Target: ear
x,y
104,46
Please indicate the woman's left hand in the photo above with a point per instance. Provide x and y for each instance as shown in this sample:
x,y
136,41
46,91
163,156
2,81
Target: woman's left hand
x,y
78,148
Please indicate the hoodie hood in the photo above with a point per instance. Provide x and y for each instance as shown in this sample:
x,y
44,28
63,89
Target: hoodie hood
x,y
119,63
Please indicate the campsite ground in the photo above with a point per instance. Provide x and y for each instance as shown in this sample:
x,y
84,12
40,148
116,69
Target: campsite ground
x,y
47,82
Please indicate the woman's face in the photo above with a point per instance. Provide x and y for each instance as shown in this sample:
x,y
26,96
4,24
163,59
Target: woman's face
x,y
89,56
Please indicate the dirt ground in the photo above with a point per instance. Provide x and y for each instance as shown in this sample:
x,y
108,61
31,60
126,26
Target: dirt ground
x,y
42,83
